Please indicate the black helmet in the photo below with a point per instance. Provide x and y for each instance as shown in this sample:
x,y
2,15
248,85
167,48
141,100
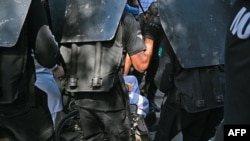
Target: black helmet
x,y
153,9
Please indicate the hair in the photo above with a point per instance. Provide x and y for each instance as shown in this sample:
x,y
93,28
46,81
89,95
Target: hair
x,y
133,3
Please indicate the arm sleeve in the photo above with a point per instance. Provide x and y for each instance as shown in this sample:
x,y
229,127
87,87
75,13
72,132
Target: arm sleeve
x,y
41,39
36,19
133,38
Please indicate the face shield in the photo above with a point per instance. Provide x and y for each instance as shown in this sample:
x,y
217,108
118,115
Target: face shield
x,y
12,17
85,20
196,33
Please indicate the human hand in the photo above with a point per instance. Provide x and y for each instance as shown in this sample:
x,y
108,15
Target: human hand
x,y
58,72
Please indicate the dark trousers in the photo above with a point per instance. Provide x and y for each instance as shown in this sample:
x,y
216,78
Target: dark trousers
x,y
19,122
105,126
199,126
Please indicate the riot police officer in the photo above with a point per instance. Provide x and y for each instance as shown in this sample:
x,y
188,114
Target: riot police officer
x,y
94,37
193,74
152,34
22,108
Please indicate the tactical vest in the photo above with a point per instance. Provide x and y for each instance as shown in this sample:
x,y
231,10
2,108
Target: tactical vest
x,y
200,89
93,66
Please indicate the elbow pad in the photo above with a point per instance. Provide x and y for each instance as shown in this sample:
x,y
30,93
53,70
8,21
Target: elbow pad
x,y
46,48
153,28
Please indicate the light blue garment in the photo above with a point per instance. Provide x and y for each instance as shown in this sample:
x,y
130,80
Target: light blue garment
x,y
135,97
46,82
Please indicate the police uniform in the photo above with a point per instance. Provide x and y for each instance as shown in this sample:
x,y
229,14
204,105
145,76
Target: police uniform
x,y
237,65
195,125
105,114
22,108
193,69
